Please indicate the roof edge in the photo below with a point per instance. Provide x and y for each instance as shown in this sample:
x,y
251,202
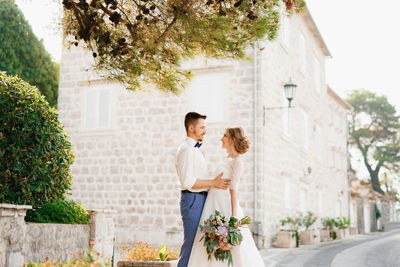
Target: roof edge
x,y
318,35
338,99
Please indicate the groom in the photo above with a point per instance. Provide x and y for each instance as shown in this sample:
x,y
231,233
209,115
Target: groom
x,y
193,181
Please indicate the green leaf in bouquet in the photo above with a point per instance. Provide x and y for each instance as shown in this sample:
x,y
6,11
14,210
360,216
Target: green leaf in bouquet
x,y
232,221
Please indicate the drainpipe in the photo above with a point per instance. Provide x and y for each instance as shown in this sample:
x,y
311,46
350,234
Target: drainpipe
x,y
257,224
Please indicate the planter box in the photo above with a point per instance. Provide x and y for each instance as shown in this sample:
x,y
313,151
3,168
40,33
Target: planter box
x,y
286,239
353,230
324,235
339,234
310,237
346,233
147,263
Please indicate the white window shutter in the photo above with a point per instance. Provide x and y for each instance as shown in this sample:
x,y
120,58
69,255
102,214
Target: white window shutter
x,y
104,108
208,95
91,110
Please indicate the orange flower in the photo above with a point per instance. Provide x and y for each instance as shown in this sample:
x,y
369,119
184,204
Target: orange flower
x,y
55,262
24,263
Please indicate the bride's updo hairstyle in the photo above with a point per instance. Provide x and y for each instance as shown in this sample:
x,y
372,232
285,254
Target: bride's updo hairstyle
x,y
240,141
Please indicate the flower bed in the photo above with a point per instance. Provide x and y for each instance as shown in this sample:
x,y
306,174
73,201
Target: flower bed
x,y
143,255
147,263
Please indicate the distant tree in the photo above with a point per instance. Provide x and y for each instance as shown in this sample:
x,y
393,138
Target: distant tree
x,y
22,54
374,131
144,41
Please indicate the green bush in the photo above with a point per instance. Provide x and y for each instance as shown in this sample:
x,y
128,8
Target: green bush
x,y
343,222
309,219
35,155
68,212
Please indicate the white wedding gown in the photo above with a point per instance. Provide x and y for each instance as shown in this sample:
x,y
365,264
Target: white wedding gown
x,y
247,253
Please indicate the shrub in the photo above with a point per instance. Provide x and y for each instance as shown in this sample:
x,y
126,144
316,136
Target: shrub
x,y
292,225
35,155
328,223
343,222
68,212
309,219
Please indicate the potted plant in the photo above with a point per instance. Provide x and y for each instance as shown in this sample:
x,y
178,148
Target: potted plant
x,y
288,236
343,225
327,233
143,255
309,236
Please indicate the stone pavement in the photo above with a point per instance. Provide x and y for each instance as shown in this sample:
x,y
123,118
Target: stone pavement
x,y
316,255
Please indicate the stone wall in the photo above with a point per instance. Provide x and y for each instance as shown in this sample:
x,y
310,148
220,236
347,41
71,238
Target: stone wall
x,y
26,242
54,240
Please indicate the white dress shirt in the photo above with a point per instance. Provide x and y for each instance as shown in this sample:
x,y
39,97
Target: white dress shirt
x,y
190,165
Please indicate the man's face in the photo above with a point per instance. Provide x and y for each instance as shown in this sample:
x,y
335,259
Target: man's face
x,y
199,130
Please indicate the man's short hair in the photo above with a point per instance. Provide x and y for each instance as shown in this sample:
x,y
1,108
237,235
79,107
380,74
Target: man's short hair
x,y
191,119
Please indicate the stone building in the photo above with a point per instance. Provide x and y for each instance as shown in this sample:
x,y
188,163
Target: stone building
x,y
125,141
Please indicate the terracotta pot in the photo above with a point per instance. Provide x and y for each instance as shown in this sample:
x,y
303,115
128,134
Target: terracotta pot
x,y
286,239
310,237
147,263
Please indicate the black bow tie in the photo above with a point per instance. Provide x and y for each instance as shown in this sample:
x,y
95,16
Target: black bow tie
x,y
198,145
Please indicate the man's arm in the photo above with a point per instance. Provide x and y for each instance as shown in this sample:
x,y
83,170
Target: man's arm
x,y
187,179
217,182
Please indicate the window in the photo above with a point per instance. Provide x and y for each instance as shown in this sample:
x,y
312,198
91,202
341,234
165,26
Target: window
x,y
333,157
302,53
208,94
338,208
98,108
319,143
285,116
304,137
287,193
317,74
285,29
303,200
319,201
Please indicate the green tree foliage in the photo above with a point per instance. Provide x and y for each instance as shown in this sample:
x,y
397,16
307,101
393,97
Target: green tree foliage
x,y
144,41
35,155
22,54
374,130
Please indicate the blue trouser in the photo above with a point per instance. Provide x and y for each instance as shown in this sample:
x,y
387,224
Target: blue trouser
x,y
191,209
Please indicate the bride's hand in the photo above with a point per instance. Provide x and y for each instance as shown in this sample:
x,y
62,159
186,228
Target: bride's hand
x,y
221,183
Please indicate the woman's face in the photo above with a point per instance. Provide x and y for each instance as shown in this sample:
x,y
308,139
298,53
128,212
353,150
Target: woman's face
x,y
226,140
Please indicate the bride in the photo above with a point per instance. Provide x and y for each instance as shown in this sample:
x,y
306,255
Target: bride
x,y
226,202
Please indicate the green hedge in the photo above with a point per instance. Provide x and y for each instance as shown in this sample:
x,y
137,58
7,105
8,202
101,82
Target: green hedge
x,y
35,155
68,212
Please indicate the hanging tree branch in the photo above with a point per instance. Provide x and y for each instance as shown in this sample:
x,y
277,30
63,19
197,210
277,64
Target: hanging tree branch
x,y
144,41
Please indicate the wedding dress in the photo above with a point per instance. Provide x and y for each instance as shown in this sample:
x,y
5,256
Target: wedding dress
x,y
247,253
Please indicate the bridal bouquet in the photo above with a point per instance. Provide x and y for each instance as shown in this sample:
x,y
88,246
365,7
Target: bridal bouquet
x,y
221,234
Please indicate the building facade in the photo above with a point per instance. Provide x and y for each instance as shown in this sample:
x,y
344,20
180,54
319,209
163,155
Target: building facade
x,y
125,141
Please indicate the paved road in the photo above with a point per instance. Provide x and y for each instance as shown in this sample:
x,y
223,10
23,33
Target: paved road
x,y
372,250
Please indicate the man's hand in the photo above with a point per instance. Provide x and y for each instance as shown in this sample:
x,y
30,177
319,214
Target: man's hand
x,y
220,183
